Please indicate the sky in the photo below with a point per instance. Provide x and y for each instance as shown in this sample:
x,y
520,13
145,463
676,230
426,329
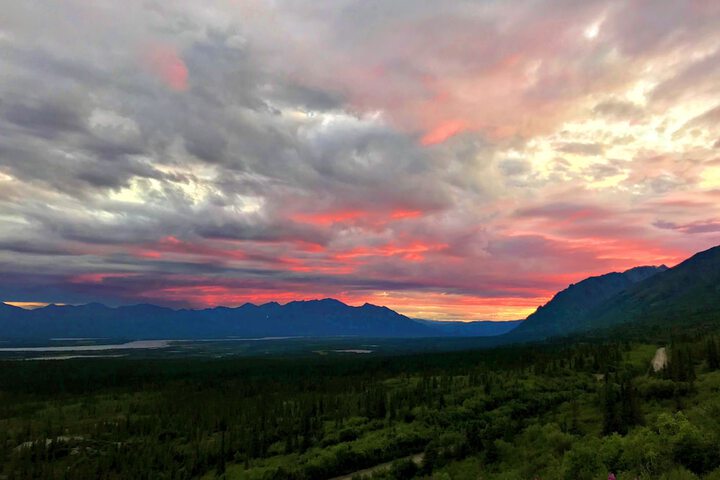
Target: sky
x,y
448,159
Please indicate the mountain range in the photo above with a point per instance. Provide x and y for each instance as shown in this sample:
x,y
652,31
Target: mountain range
x,y
315,318
685,294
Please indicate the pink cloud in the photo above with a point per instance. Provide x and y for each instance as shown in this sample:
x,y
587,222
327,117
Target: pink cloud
x,y
442,132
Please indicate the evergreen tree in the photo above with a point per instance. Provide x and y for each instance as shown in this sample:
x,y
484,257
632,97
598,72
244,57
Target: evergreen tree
x,y
221,455
713,357
630,406
611,419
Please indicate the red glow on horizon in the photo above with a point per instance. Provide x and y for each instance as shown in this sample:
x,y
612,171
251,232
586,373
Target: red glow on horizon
x,y
207,296
513,300
415,305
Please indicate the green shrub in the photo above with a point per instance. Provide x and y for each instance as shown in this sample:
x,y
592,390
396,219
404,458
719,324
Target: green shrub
x,y
611,452
679,474
714,475
646,452
656,388
581,462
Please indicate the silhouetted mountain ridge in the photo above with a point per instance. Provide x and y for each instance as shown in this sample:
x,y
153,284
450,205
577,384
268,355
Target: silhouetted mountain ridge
x,y
327,317
685,294
566,312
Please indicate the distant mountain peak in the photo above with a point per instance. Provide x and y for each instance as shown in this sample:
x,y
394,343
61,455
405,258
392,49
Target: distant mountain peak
x,y
641,273
372,305
323,301
245,306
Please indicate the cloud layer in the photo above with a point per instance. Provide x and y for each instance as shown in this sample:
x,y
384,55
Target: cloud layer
x,y
450,160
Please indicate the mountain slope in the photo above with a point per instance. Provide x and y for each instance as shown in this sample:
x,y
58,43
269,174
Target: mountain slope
x,y
4,307
306,318
685,294
568,310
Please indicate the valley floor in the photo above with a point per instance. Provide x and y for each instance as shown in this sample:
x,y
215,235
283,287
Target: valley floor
x,y
575,412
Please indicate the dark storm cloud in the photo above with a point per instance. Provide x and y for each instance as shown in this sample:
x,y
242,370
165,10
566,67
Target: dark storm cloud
x,y
35,247
46,119
207,145
229,229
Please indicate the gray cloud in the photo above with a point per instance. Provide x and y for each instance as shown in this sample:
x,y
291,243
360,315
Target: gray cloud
x,y
512,167
693,80
602,171
619,109
702,227
46,119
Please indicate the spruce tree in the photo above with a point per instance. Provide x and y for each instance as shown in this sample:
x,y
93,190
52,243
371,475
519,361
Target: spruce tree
x,y
713,358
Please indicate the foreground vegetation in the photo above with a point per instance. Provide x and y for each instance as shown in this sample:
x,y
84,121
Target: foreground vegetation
x,y
574,411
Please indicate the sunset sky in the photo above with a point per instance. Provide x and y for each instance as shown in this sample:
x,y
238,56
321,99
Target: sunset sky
x,y
448,159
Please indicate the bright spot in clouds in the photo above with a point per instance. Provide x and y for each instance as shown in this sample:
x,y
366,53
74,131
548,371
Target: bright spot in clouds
x,y
711,178
592,31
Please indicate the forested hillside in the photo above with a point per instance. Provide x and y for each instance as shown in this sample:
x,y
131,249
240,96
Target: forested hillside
x,y
571,310
687,294
574,411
